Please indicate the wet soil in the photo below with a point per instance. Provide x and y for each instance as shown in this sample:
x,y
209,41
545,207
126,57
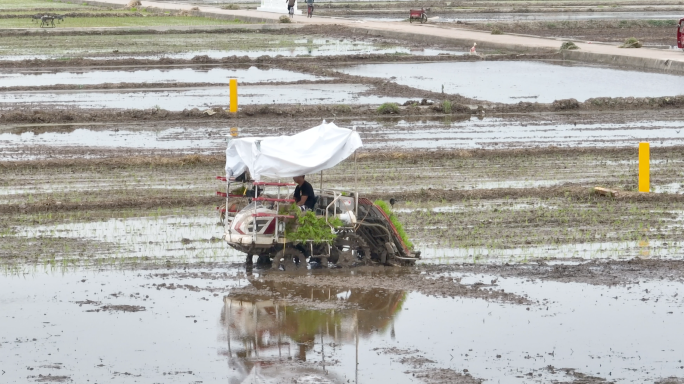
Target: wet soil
x,y
649,32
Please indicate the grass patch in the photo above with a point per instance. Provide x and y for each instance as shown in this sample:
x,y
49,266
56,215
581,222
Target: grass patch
x,y
395,221
497,31
148,21
35,4
569,45
632,42
284,19
446,106
662,23
388,108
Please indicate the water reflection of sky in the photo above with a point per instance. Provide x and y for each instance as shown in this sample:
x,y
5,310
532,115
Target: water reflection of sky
x,y
180,99
533,81
36,78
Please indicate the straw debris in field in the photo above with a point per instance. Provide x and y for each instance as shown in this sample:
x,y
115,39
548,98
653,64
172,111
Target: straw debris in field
x,y
284,19
632,42
497,31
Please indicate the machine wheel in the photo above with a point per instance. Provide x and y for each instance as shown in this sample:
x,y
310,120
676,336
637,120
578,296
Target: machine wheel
x,y
286,257
349,249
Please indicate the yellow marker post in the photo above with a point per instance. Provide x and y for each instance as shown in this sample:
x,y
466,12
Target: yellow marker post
x,y
644,167
234,132
233,95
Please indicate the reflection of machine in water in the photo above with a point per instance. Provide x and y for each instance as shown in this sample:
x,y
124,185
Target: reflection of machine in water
x,y
262,331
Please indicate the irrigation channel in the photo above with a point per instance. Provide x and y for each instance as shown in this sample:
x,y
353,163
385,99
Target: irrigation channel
x,y
113,264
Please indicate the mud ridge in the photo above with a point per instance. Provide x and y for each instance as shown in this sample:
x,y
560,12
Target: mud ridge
x,y
264,59
569,191
52,205
363,156
595,272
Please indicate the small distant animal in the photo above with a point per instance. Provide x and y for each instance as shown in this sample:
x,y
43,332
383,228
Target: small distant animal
x,y
59,17
47,21
35,17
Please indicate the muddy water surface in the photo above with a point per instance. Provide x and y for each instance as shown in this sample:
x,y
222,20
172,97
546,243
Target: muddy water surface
x,y
465,133
178,100
182,75
303,47
220,324
533,81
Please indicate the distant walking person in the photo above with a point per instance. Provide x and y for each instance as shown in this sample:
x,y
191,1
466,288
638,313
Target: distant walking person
x,y
309,7
290,7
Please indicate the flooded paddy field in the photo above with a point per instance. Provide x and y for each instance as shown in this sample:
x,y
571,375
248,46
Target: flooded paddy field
x,y
213,42
40,141
337,327
534,81
37,78
113,267
181,99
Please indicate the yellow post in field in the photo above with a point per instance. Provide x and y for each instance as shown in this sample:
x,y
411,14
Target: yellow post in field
x,y
644,167
233,95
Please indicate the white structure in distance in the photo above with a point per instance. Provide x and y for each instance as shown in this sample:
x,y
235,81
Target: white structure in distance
x,y
277,6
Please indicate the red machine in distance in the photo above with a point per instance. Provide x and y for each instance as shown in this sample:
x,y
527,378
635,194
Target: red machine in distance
x,y
680,34
418,14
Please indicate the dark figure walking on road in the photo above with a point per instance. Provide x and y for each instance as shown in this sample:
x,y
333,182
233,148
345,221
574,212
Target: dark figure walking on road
x,y
309,8
290,7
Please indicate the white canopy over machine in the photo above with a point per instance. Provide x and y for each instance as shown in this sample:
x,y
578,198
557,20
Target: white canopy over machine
x,y
307,152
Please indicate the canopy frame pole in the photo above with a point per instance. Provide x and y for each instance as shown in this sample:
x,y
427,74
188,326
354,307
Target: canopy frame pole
x,y
225,220
321,192
356,182
256,194
277,204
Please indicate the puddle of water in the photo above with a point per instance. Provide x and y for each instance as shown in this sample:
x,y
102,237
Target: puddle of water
x,y
669,188
627,334
178,100
533,81
187,75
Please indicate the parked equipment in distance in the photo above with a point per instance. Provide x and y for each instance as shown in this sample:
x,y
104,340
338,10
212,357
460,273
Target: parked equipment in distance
x,y
418,14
